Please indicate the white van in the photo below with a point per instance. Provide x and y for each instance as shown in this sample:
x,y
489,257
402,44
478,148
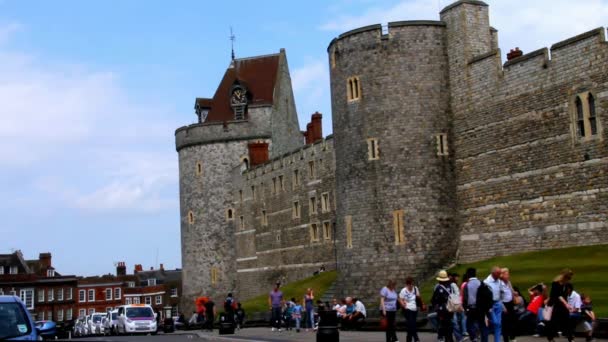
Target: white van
x,y
136,318
110,322
95,323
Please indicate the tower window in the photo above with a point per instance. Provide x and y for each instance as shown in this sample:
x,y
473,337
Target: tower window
x,y
214,275
296,179
373,152
442,144
585,116
295,212
348,222
398,226
199,168
242,222
314,232
327,230
282,183
325,207
264,218
229,214
353,88
190,217
241,195
253,193
311,169
273,189
313,205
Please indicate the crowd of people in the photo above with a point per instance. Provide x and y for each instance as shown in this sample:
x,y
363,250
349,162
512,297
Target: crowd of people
x,y
473,309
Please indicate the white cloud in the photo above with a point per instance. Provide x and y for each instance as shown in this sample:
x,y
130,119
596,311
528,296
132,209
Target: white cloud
x,y
92,145
311,88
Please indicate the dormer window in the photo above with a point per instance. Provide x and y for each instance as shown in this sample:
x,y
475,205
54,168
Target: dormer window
x,y
201,112
50,272
152,282
238,102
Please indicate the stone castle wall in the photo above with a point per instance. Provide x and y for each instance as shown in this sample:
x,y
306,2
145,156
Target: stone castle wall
x,y
404,104
526,181
283,248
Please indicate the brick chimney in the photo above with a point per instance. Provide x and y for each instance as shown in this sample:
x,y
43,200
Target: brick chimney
x,y
121,269
138,268
45,261
258,153
308,134
317,127
514,53
162,267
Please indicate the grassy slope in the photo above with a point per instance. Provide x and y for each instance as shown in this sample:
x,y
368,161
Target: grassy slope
x,y
319,284
590,266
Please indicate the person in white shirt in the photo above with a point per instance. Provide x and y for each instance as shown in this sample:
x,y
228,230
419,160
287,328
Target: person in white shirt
x,y
497,286
360,308
407,299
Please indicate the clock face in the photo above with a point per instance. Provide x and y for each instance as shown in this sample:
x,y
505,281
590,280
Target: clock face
x,y
238,97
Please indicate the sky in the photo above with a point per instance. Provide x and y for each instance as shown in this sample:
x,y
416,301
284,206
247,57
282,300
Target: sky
x,y
91,93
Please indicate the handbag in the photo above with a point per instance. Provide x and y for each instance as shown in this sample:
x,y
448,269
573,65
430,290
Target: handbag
x,y
547,313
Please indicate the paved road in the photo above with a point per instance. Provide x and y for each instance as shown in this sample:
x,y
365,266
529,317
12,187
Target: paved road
x,y
265,335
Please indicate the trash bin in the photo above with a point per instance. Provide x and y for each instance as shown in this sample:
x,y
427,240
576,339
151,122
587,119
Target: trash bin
x,y
328,326
227,324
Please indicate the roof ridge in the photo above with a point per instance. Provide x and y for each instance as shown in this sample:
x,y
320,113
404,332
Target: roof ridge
x,y
257,57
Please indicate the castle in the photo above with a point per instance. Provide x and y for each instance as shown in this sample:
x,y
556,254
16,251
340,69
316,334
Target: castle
x,y
440,153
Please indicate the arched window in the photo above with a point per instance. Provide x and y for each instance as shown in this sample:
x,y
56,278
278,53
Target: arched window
x,y
229,214
190,217
246,163
592,119
580,116
353,88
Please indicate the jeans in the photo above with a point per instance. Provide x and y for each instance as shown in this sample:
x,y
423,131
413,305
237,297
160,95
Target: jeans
x,y
310,318
276,317
508,322
298,320
459,325
412,329
496,320
476,323
446,327
391,329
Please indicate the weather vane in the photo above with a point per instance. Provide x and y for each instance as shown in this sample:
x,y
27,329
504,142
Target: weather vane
x,y
232,39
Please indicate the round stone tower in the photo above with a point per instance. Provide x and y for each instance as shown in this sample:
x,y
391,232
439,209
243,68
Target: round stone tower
x,y
391,123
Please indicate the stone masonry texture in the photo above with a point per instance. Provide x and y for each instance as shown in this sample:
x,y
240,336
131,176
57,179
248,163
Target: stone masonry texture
x,y
514,174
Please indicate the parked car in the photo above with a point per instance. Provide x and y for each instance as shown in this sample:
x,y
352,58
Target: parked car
x,y
49,328
135,319
95,324
16,322
110,322
80,328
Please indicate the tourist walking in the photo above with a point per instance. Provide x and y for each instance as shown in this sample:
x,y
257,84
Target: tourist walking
x,y
275,302
210,312
498,288
388,309
441,294
459,320
408,298
309,306
508,301
476,310
558,306
297,314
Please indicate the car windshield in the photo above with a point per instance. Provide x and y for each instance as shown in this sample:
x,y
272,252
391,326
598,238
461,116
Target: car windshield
x,y
114,316
143,312
13,321
96,319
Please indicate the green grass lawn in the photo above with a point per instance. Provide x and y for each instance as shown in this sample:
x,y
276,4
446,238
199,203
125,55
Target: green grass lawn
x,y
319,284
590,266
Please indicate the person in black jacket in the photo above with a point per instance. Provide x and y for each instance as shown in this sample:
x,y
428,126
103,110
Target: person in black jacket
x,y
439,301
558,300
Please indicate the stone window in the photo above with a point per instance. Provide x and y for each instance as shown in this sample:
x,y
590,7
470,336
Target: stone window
x,y
241,195
295,182
442,144
353,88
327,230
585,115
253,194
314,232
311,169
244,163
214,275
229,214
264,218
295,212
190,217
373,152
398,227
312,205
282,182
242,222
199,168
348,222
325,206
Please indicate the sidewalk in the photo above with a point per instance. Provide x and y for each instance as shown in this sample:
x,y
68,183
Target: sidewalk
x,y
265,335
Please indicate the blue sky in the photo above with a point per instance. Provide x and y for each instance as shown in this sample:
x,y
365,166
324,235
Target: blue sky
x,y
92,91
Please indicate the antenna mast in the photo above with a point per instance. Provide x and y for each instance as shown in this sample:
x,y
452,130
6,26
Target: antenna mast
x,y
232,39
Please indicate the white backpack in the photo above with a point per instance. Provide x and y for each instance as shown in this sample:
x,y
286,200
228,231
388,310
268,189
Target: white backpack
x,y
454,301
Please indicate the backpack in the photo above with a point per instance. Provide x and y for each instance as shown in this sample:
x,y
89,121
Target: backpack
x,y
485,298
454,303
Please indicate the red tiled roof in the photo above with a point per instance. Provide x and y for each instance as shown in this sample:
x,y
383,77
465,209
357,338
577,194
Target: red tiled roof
x,y
257,74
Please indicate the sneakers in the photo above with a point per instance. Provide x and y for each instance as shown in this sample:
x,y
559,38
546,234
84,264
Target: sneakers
x,y
536,335
280,330
273,329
